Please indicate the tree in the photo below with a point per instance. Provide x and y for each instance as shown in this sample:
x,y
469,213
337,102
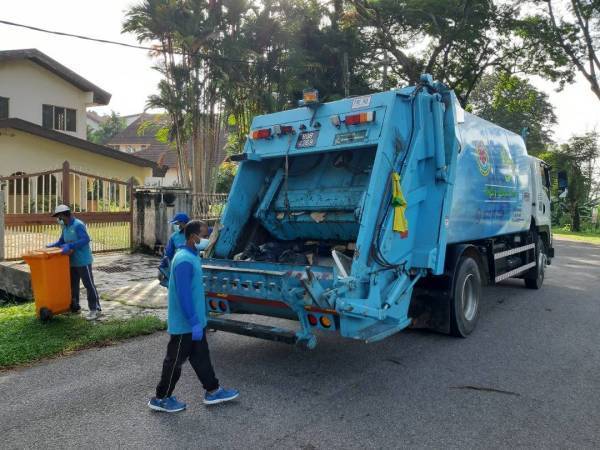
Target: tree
x,y
567,36
457,41
578,159
514,103
112,126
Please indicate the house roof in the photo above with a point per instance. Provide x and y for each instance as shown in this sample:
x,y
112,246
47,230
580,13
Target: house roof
x,y
161,154
32,128
101,97
130,134
94,116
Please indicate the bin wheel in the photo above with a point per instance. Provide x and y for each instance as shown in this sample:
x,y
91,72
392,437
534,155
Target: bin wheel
x,y
466,298
45,314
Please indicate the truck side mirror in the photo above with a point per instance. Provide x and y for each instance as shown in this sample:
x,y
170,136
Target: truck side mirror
x,y
563,181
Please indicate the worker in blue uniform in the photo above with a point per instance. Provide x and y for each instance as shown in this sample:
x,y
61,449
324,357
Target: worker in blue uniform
x,y
186,325
176,240
75,242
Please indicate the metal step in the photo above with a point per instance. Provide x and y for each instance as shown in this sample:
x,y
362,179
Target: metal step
x,y
253,330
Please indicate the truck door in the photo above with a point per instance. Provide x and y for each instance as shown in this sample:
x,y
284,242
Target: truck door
x,y
542,194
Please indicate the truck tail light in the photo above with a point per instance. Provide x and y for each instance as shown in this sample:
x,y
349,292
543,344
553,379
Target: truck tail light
x,y
312,320
325,321
281,130
364,117
263,133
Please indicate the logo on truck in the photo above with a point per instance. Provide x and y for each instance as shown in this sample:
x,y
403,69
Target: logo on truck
x,y
483,159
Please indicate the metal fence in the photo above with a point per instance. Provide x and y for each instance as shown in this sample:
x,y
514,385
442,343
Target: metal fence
x,y
208,207
103,204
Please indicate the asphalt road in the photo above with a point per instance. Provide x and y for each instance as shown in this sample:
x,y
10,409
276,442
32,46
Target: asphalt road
x,y
529,376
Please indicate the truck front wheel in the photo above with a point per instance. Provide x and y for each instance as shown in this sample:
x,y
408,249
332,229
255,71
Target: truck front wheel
x,y
536,278
466,297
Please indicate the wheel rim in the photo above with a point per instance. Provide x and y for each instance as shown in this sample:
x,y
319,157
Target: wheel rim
x,y
469,298
541,265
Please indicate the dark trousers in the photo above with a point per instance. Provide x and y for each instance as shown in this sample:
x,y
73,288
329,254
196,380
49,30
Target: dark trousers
x,y
84,274
180,348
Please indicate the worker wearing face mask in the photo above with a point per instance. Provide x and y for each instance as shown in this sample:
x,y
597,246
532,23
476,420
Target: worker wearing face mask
x,y
176,241
75,242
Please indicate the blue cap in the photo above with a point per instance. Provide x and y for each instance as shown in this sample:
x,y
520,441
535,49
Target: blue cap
x,y
180,217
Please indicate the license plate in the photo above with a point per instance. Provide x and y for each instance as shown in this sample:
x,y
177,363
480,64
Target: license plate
x,y
350,138
307,139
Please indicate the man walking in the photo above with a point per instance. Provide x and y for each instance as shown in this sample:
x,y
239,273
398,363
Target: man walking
x,y
186,323
75,242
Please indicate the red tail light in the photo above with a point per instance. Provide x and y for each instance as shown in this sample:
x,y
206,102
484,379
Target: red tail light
x,y
281,130
364,117
263,133
312,320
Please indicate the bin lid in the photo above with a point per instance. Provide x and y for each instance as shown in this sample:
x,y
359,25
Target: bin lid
x,y
42,253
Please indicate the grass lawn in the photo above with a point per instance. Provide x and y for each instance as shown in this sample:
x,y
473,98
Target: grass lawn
x,y
592,238
24,339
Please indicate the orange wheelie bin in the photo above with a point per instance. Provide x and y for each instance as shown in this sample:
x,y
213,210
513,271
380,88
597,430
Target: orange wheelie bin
x,y
51,282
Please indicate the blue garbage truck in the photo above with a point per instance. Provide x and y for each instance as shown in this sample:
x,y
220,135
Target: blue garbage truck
x,y
371,214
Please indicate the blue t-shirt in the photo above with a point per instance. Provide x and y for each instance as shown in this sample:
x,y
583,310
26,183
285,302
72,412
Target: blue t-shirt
x,y
75,235
186,293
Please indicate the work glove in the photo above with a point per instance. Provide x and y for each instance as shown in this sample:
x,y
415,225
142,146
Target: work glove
x,y
197,332
163,277
65,249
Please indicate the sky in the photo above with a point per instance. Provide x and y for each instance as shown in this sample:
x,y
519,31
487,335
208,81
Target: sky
x,y
127,73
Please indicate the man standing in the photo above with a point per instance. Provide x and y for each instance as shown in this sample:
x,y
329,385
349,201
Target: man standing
x,y
177,238
176,241
75,242
186,323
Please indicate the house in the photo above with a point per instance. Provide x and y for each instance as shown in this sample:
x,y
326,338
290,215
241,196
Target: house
x,y
139,139
43,121
94,120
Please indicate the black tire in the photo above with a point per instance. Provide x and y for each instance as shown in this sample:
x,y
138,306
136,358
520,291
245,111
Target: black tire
x,y
466,298
535,279
45,314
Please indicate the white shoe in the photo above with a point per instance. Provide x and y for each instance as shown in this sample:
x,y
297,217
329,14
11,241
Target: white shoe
x,y
93,315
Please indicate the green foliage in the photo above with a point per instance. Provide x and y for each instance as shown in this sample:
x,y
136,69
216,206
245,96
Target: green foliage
x,y
563,39
457,40
514,103
225,176
24,339
578,159
112,126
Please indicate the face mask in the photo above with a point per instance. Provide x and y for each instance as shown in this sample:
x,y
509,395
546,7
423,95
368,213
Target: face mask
x,y
61,222
201,245
176,227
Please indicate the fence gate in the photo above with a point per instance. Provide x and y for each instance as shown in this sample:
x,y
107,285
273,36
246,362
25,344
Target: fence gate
x,y
105,206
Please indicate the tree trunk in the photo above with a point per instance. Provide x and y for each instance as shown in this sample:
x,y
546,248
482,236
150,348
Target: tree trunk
x,y
575,218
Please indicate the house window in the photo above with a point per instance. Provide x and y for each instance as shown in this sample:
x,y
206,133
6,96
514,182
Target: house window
x,y
59,118
3,108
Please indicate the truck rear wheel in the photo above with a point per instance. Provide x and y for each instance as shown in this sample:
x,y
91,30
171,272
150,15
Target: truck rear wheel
x,y
536,278
466,298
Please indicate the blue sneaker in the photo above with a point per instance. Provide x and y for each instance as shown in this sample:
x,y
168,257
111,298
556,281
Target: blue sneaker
x,y
169,404
220,395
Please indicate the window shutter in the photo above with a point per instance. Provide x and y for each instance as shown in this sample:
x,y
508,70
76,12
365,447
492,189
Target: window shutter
x,y
71,120
3,108
48,116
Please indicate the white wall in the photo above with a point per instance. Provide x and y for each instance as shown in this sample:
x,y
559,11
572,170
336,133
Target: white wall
x,y
23,152
170,179
29,86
